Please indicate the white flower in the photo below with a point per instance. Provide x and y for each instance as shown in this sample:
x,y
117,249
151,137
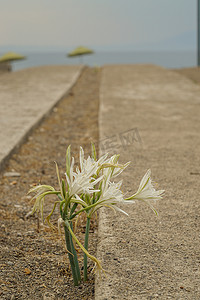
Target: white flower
x,y
83,180
111,195
90,166
146,191
80,183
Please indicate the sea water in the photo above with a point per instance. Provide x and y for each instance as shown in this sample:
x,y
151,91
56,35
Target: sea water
x,y
181,59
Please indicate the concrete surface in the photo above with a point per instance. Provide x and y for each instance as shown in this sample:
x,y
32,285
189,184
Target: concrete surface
x,y
26,96
151,116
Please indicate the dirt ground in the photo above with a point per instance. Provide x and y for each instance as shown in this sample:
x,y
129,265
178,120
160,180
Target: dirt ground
x,y
34,262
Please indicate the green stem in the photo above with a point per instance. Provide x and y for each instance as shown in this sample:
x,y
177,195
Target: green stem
x,y
86,247
71,257
94,259
73,209
78,273
83,209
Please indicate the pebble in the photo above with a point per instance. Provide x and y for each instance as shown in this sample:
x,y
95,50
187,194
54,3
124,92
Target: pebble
x,y
13,182
11,174
26,197
17,206
21,221
27,271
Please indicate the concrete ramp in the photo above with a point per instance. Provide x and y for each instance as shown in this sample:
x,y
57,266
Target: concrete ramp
x,y
26,96
151,116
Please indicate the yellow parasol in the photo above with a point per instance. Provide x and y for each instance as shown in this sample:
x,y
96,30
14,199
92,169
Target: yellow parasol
x,y
10,56
80,51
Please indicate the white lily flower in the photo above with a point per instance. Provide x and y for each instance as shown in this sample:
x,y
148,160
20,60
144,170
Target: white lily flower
x,y
90,166
111,192
146,191
111,195
80,183
83,180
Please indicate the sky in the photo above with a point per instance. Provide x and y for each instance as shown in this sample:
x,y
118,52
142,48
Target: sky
x,y
101,24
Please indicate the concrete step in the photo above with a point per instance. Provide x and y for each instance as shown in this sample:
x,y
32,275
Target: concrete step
x,y
26,97
151,116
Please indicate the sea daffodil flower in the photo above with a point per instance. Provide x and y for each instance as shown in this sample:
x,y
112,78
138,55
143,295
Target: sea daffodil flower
x,y
86,189
111,196
146,191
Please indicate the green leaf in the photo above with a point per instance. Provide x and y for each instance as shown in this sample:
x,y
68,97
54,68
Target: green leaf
x,y
94,155
64,188
68,160
59,182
